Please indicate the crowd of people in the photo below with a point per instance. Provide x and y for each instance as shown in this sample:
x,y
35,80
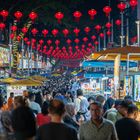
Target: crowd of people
x,y
55,113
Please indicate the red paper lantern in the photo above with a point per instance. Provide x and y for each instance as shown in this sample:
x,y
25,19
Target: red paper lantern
x,y
18,38
34,31
25,39
33,16
76,40
28,43
33,40
76,31
45,32
18,15
121,6
59,16
85,39
97,28
12,36
89,45
65,32
101,35
118,22
57,48
76,47
108,33
96,43
133,3
14,28
55,32
77,15
107,10
87,29
2,25
133,39
57,42
49,42
41,42
68,41
93,37
51,47
108,25
24,30
83,46
92,13
4,14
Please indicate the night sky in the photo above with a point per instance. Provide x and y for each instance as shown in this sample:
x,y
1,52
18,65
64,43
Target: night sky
x,y
82,5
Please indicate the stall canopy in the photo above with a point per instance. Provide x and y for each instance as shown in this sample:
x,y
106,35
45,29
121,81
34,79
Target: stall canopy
x,y
27,82
38,78
111,53
95,63
8,80
56,74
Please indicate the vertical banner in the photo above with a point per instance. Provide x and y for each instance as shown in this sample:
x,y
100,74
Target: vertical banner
x,y
15,56
128,85
137,88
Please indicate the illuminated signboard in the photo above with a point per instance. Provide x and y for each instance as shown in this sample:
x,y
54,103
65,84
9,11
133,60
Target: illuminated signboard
x,y
4,56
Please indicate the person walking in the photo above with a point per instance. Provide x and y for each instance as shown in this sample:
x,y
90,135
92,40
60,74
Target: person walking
x,y
56,130
97,128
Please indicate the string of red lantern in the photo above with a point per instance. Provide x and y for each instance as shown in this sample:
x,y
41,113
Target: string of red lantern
x,y
118,22
33,16
59,16
54,32
45,32
4,14
121,6
2,25
87,30
18,15
77,15
133,3
92,13
97,28
65,32
76,31
107,10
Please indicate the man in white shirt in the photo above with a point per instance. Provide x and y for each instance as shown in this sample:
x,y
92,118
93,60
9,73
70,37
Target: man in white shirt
x,y
33,105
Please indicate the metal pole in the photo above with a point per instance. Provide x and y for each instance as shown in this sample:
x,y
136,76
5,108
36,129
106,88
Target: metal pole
x,y
37,62
104,40
28,61
138,32
10,52
99,45
138,23
112,30
128,64
122,30
138,10
22,50
31,59
127,32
